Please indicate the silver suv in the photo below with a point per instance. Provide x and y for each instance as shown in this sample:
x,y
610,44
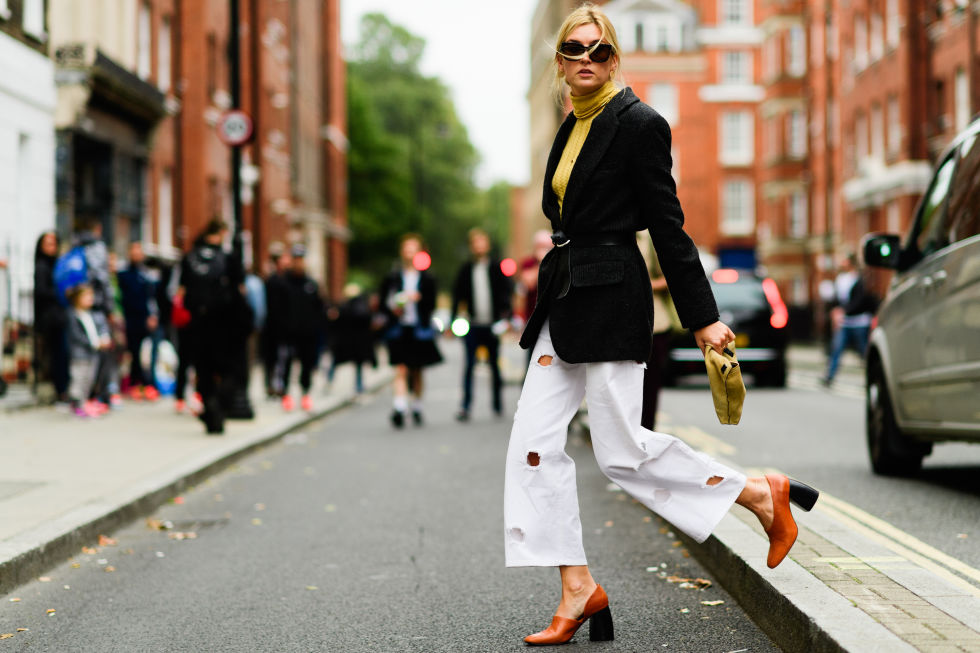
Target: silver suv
x,y
923,361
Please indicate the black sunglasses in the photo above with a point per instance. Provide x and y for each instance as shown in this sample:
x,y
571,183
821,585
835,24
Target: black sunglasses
x,y
598,52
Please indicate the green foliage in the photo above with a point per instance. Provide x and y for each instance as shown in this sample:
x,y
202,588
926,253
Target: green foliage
x,y
411,163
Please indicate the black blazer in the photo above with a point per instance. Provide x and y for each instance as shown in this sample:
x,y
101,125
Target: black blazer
x,y
598,296
392,283
500,290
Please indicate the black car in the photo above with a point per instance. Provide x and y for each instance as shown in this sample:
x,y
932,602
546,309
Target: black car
x,y
754,310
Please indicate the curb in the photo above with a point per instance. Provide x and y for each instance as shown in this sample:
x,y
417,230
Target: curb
x,y
27,554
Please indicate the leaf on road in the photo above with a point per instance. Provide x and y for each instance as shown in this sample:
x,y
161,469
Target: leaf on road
x,y
45,579
22,630
684,610
609,524
711,602
6,635
330,508
677,544
50,611
15,600
102,561
182,536
312,588
260,507
647,519
256,522
219,498
178,500
105,540
110,569
161,554
962,536
87,550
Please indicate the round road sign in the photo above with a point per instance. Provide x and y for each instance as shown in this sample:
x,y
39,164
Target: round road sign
x,y
235,128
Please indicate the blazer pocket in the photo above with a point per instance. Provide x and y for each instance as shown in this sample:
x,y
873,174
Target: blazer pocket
x,y
601,273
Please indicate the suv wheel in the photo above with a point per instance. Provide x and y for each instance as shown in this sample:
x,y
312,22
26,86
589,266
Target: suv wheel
x,y
891,452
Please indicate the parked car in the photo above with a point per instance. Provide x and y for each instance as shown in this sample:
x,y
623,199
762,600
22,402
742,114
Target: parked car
x,y
755,311
923,360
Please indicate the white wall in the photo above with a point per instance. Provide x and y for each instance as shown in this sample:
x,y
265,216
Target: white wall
x,y
27,168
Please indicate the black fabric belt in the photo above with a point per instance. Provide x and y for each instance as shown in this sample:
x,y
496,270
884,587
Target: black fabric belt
x,y
594,239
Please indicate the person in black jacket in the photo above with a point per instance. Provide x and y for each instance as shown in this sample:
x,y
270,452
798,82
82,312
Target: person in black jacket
x,y
50,318
142,317
609,176
274,329
407,298
303,324
486,293
852,310
210,281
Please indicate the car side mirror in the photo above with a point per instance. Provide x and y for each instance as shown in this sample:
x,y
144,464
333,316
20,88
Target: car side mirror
x,y
882,250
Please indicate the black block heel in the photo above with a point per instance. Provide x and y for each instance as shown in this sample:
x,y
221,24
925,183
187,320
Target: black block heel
x,y
802,494
601,626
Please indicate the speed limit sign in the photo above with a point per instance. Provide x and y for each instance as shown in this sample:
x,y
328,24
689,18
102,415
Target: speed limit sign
x,y
235,128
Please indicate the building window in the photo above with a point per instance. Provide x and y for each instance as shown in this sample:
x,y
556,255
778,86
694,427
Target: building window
x,y
663,97
798,218
860,42
33,18
892,20
212,66
737,208
663,41
797,52
893,142
735,12
4,10
736,68
736,138
796,135
143,57
165,209
639,37
877,133
860,139
961,88
770,58
163,55
877,37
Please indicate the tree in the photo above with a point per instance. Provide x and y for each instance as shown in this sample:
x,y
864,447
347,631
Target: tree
x,y
411,163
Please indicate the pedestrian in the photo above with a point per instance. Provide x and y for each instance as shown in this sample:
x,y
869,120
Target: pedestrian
x,y
665,321
274,329
591,331
210,280
142,320
408,298
352,334
852,310
88,337
302,328
50,319
485,291
99,277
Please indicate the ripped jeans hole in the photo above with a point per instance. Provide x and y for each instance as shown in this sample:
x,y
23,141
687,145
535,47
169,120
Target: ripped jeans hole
x,y
533,459
545,360
515,533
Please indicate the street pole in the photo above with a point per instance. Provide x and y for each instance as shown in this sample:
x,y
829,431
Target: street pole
x,y
239,406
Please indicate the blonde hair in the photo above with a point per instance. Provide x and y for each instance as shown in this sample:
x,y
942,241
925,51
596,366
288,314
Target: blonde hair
x,y
586,14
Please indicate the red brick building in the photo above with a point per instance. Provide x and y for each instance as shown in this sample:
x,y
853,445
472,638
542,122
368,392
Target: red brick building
x,y
146,126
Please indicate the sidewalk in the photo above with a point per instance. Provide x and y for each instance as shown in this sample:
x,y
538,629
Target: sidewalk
x,y
64,481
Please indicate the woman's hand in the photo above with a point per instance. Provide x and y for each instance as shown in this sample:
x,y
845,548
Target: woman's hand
x,y
717,335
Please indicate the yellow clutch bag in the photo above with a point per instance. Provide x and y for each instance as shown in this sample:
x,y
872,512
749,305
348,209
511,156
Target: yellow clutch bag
x,y
727,388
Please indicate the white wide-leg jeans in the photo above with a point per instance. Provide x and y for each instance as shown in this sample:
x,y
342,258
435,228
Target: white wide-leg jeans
x,y
541,515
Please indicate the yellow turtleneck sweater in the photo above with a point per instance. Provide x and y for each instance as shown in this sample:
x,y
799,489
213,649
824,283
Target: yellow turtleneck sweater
x,y
585,108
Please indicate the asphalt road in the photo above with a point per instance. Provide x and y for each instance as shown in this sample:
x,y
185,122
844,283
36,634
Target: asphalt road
x,y
351,536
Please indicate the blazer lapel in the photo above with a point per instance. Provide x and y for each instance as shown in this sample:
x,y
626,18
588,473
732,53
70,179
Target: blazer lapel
x,y
601,134
549,202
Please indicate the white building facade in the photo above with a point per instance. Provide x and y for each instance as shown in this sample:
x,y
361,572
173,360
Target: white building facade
x,y
27,150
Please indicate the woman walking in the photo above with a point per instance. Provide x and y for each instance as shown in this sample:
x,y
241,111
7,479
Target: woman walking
x,y
50,318
408,297
607,177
